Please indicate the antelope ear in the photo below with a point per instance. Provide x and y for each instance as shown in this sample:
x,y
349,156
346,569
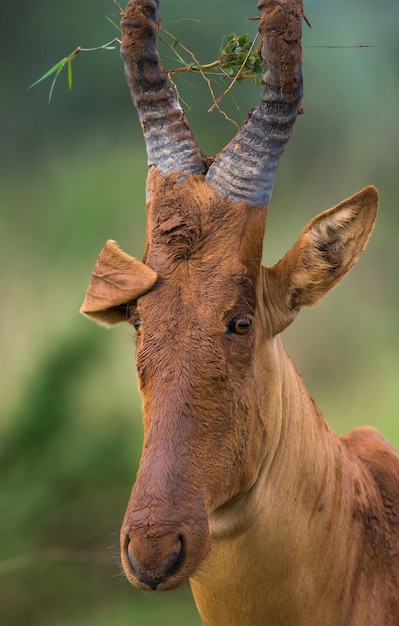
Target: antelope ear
x,y
324,253
116,280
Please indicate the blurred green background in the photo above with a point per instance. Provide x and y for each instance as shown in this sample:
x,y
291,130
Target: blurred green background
x,y
73,175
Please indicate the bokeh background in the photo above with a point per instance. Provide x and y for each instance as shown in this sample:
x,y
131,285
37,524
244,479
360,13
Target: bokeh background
x,y
72,175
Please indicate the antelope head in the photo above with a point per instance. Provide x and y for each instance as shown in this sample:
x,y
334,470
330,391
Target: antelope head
x,y
207,313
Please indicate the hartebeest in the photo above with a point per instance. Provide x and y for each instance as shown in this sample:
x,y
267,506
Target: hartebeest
x,y
242,489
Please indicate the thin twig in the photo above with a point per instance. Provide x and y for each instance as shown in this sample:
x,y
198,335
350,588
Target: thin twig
x,y
360,46
307,21
198,68
121,11
103,47
177,92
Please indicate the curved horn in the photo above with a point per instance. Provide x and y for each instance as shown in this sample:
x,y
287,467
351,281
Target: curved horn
x,y
170,143
245,169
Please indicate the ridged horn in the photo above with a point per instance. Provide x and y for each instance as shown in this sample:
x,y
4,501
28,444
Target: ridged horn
x,y
245,169
170,143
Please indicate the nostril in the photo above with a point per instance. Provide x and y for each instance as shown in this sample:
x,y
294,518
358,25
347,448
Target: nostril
x,y
134,565
153,566
174,561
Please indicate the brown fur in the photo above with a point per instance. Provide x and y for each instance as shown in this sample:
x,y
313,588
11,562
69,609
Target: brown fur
x,y
242,487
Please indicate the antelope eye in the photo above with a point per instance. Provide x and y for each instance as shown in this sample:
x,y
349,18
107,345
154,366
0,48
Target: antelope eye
x,y
239,327
137,325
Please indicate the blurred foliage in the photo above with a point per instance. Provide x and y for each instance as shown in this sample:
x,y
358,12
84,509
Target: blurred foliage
x,y
73,175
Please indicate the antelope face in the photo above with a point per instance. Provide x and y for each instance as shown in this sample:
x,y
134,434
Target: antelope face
x,y
195,359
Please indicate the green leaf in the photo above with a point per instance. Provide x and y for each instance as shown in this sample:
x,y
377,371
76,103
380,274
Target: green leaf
x,y
234,101
243,39
222,46
61,67
69,75
113,23
177,40
56,68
